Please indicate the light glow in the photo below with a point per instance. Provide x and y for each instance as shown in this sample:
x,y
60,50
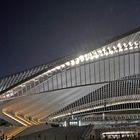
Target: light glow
x,y
17,116
72,62
58,67
100,52
130,44
63,65
81,57
67,63
10,116
118,132
54,69
77,61
86,57
49,71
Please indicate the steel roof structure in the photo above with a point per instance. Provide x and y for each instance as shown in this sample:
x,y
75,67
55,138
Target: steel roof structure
x,y
103,80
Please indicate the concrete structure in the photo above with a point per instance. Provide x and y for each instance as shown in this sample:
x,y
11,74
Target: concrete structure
x,y
101,85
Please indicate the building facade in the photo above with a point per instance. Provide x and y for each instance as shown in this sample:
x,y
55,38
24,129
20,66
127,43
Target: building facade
x,y
100,86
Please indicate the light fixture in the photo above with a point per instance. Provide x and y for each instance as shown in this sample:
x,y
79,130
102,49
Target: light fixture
x,y
22,85
67,63
86,57
14,118
120,47
62,66
49,71
115,49
81,57
94,53
100,52
91,56
77,61
72,62
58,67
97,56
7,95
104,49
136,45
111,52
54,69
125,46
106,53
22,119
130,44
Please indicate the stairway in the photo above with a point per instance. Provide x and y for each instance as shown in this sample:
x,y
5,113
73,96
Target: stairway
x,y
87,132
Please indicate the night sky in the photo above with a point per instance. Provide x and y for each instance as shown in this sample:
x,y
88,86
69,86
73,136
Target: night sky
x,y
35,32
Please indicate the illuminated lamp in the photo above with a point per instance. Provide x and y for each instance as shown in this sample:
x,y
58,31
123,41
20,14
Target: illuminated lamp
x,y
72,62
77,61
67,63
81,57
62,66
58,67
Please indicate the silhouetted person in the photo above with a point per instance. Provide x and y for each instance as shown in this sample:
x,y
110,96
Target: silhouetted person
x,y
3,136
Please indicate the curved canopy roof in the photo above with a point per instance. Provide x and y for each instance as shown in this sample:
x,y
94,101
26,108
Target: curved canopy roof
x,y
13,80
31,109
